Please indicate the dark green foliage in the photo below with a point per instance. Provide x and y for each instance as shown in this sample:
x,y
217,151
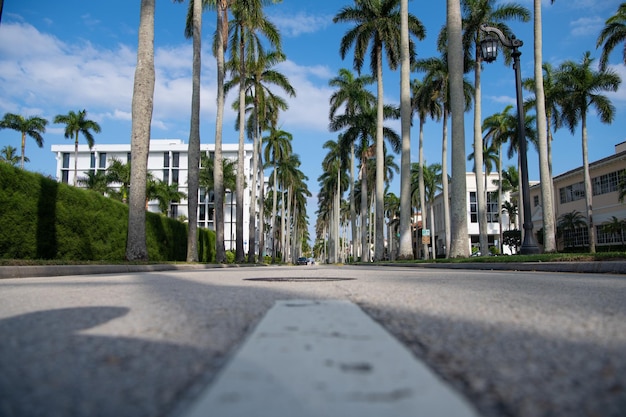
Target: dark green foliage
x,y
42,219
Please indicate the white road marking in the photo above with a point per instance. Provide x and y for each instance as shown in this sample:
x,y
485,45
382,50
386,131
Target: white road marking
x,y
326,358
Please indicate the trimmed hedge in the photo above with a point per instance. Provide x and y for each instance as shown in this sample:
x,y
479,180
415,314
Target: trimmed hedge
x,y
43,219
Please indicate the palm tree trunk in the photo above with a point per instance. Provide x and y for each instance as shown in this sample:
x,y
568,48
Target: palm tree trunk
x,y
274,208
406,251
422,188
143,93
353,205
24,150
218,173
458,209
261,203
549,232
501,235
193,162
253,194
76,158
365,253
380,159
239,251
444,184
588,189
478,163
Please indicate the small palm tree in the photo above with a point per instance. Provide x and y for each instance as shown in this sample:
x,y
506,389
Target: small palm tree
x,y
119,172
615,227
97,181
510,209
165,194
75,124
568,223
8,155
32,126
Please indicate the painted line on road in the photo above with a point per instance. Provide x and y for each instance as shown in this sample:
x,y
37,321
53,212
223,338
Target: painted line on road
x,y
311,358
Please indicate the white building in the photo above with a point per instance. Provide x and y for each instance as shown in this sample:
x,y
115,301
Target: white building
x,y
493,213
167,161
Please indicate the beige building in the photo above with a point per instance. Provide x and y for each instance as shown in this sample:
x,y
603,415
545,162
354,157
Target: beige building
x,y
569,195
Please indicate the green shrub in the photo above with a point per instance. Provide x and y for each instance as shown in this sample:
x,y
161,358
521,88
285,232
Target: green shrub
x,y
43,219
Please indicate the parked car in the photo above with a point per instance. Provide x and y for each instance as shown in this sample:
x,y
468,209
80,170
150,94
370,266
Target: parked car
x,y
302,261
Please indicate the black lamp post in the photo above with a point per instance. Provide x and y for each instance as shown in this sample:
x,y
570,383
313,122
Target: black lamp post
x,y
489,51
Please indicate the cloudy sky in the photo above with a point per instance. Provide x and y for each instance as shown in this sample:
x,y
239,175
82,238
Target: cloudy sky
x,y
76,54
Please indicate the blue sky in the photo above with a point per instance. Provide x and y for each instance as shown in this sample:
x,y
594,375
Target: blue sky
x,y
76,54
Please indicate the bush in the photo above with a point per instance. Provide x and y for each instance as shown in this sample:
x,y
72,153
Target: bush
x,y
43,219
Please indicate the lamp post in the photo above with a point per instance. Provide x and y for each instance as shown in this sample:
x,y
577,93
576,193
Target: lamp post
x,y
489,51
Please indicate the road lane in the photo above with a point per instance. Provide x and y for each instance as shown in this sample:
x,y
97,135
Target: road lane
x,y
516,344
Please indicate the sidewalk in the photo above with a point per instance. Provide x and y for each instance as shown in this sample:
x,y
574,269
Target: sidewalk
x,y
598,267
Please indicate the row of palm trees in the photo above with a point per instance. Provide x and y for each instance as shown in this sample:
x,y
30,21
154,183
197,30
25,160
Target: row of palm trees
x,y
568,95
76,123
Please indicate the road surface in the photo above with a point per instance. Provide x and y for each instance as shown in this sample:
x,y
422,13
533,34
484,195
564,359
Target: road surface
x,y
153,344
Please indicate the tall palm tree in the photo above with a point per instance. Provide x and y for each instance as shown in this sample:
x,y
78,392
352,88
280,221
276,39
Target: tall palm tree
x,y
582,89
143,93
458,205
207,177
32,126
545,172
193,29
278,147
360,128
249,20
613,33
8,154
377,23
334,166
476,13
75,124
352,96
261,77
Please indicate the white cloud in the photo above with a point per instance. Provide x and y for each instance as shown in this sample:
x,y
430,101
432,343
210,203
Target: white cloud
x,y
587,26
295,25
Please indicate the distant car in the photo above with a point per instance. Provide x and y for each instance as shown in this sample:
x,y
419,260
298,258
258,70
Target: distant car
x,y
302,261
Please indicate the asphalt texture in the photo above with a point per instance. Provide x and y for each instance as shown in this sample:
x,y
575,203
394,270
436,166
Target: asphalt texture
x,y
513,343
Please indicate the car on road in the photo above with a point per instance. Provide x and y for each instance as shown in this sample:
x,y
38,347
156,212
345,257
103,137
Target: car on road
x,y
302,261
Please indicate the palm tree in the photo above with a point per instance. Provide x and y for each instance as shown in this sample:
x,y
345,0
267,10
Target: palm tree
x,y
568,223
377,23
248,20
615,227
119,172
277,148
392,213
32,126
436,80
458,205
582,89
510,208
352,95
95,180
545,170
165,194
193,29
476,13
359,129
333,166
75,124
143,92
613,33
260,78
207,170
432,175
8,155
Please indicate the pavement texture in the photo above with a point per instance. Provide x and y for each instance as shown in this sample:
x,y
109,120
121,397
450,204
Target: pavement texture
x,y
513,343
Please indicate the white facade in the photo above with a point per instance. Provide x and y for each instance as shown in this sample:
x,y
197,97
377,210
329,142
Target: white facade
x,y
167,161
493,212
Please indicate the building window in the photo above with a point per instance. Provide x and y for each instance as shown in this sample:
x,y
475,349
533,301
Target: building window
x,y
492,207
572,192
166,176
166,159
576,237
173,210
473,207
174,176
175,159
202,213
128,158
605,237
65,168
535,200
605,184
92,163
102,163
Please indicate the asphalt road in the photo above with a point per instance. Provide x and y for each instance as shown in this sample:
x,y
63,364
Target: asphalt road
x,y
146,344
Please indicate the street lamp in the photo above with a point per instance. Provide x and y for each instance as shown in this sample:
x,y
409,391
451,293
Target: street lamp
x,y
489,51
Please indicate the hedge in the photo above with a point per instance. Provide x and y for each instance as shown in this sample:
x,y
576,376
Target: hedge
x,y
43,219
